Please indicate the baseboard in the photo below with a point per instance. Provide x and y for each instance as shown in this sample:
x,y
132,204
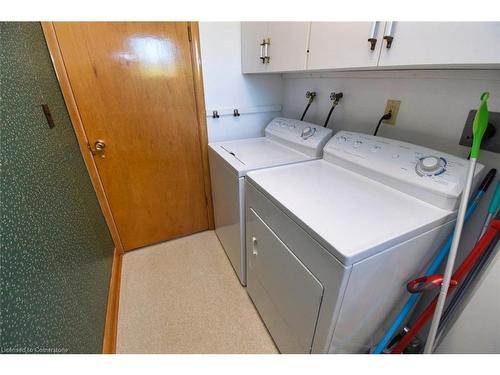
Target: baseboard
x,y
111,325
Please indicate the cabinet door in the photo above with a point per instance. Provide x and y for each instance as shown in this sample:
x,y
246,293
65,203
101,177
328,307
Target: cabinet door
x,y
288,48
463,44
252,35
341,45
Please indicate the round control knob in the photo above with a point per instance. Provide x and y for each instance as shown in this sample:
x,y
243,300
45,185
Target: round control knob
x,y
430,166
308,132
429,163
341,139
357,144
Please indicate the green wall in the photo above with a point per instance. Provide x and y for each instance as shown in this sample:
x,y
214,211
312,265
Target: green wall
x,y
56,251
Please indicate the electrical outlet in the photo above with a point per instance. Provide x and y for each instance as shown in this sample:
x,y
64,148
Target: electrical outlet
x,y
393,107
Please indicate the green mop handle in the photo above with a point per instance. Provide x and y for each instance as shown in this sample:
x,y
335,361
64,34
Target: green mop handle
x,y
479,126
478,129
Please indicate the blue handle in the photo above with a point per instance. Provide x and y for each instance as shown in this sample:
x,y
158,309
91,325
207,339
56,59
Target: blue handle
x,y
432,269
495,200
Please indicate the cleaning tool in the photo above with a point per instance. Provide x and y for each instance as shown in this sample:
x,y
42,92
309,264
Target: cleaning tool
x,y
478,128
433,267
492,209
491,235
474,273
464,286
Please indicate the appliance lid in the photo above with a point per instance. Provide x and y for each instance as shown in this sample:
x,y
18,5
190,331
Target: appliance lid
x,y
256,153
352,216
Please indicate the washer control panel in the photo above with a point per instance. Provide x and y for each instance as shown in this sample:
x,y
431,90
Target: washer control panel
x,y
431,165
428,174
300,135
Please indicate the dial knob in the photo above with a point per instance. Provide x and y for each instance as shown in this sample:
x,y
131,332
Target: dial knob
x,y
308,132
341,139
430,166
429,163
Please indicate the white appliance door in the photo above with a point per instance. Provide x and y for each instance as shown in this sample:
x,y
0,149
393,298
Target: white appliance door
x,y
287,295
227,199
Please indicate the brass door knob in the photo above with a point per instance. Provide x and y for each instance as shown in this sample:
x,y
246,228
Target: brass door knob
x,y
99,148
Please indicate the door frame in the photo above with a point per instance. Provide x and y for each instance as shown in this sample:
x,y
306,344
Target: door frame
x,y
76,120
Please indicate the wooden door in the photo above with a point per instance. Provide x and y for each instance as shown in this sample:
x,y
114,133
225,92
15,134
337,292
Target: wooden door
x,y
288,48
421,44
340,45
133,86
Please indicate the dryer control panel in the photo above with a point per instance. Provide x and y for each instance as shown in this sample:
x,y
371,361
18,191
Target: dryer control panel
x,y
300,135
433,176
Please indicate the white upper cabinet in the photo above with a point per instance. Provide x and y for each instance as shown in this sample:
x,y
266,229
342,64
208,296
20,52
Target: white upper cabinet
x,y
252,49
288,46
344,45
274,46
427,44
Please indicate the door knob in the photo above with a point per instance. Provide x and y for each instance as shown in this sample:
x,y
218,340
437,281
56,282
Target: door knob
x,y
98,150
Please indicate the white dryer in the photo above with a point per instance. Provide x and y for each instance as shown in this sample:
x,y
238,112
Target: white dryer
x,y
286,141
332,243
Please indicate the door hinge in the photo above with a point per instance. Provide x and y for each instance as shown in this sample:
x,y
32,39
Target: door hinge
x,y
189,33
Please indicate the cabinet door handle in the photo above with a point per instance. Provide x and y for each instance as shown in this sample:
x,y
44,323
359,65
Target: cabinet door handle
x,y
373,34
267,42
388,34
262,58
264,51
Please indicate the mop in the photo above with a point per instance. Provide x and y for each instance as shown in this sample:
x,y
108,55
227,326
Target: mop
x,y
433,267
479,127
482,247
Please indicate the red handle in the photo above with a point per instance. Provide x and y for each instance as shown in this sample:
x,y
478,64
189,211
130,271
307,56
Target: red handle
x,y
459,274
425,283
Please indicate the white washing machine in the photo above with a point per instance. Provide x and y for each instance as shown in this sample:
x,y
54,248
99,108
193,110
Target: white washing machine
x,y
332,243
286,141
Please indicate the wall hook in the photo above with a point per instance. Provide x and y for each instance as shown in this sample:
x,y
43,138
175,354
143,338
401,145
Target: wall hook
x,y
215,114
236,113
